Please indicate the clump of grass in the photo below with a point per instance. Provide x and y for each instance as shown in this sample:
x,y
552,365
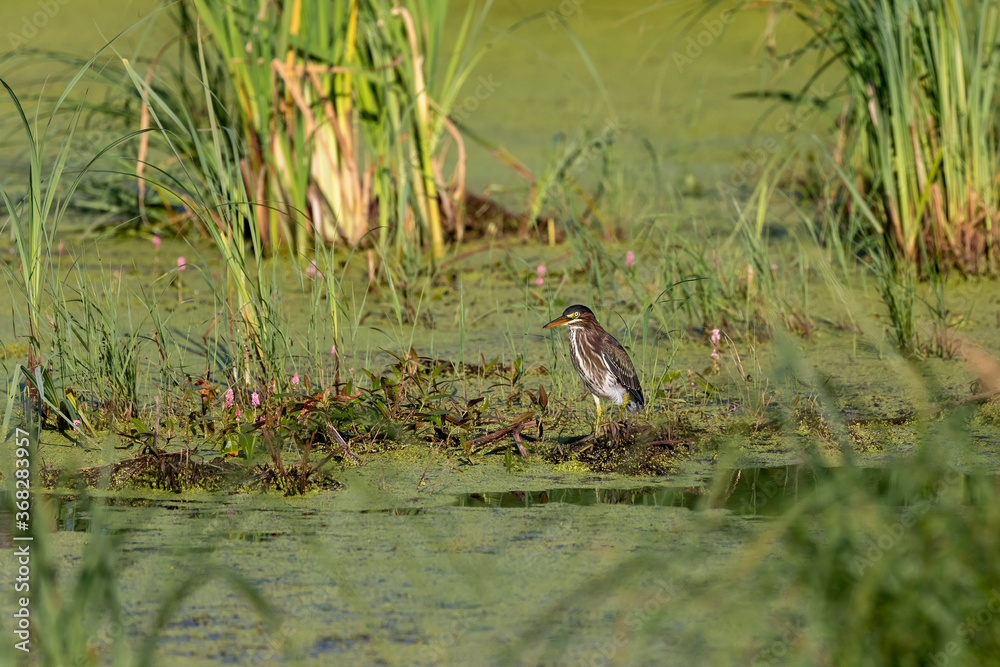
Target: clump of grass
x,y
917,152
35,218
896,284
710,289
342,115
216,192
34,221
910,177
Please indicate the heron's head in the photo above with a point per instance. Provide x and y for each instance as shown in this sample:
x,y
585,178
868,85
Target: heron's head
x,y
574,316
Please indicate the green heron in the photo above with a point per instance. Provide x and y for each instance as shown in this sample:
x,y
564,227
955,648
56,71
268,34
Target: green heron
x,y
601,361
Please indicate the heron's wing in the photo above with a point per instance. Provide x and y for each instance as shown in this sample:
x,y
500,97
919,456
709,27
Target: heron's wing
x,y
618,362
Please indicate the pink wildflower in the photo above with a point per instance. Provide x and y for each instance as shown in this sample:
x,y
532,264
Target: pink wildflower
x,y
716,337
540,275
295,379
629,259
229,399
156,242
333,350
76,425
181,263
254,399
312,271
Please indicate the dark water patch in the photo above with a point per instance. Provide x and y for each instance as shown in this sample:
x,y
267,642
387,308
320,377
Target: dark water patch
x,y
397,511
749,491
656,496
256,536
74,514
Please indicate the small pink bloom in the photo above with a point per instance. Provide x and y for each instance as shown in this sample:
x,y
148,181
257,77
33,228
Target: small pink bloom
x,y
540,275
312,271
76,425
333,350
716,336
181,264
629,259
156,242
539,281
295,379
237,411
229,398
255,399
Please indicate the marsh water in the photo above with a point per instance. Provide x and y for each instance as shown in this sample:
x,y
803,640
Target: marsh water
x,y
428,559
388,571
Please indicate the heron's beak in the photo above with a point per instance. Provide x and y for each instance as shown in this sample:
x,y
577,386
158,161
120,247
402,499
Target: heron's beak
x,y
559,321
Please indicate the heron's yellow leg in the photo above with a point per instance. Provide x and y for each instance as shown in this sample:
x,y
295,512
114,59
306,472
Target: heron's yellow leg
x,y
597,401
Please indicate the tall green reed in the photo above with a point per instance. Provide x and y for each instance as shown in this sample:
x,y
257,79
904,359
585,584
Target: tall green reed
x,y
341,114
35,219
211,183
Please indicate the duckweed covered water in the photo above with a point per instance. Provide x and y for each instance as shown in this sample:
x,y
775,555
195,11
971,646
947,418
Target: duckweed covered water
x,y
392,572
405,578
